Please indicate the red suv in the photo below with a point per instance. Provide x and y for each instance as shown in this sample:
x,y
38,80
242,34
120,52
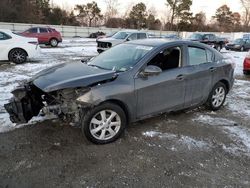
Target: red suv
x,y
45,35
246,64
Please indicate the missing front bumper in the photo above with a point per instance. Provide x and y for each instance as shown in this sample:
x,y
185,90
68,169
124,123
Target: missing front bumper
x,y
25,104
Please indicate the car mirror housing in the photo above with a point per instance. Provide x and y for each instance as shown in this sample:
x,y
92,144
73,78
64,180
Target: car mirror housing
x,y
151,70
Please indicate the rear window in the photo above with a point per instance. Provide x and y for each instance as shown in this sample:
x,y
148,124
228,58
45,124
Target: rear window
x,y
197,55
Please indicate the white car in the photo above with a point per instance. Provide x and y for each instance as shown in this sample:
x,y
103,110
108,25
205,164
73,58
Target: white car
x,y
16,48
118,38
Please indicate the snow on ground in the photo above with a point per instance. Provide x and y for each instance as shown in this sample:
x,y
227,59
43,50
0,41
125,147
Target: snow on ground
x,y
179,140
239,134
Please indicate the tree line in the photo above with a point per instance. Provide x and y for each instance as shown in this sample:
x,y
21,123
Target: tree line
x,y
178,16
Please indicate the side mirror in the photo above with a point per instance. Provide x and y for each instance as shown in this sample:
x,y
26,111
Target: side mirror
x,y
151,70
128,39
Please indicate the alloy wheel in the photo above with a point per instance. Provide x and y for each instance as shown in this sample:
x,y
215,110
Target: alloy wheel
x,y
218,97
105,125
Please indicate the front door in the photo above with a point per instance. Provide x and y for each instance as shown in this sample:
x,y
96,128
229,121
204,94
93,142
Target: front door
x,y
163,92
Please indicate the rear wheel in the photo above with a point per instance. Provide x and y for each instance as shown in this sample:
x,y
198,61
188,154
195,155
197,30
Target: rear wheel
x,y
217,97
18,56
54,42
104,123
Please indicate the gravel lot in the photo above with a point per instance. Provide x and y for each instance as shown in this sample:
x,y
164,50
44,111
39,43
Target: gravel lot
x,y
194,148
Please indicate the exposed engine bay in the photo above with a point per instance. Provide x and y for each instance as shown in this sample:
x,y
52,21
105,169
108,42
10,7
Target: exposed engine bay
x,y
29,101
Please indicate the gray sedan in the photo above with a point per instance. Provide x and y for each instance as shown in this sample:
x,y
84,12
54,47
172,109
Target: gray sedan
x,y
127,83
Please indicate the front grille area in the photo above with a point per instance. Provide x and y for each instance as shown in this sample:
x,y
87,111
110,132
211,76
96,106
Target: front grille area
x,y
104,44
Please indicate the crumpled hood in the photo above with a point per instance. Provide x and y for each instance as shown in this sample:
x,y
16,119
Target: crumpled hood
x,y
70,75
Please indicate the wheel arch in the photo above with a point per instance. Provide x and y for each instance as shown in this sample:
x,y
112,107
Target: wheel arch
x,y
17,49
122,105
226,83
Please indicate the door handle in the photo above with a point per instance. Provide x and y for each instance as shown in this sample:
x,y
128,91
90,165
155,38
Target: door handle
x,y
180,77
212,69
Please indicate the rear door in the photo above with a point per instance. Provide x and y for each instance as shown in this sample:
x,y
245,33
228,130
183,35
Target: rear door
x,y
200,75
141,35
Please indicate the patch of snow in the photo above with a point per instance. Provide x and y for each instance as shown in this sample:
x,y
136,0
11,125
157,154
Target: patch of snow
x,y
238,134
187,141
214,121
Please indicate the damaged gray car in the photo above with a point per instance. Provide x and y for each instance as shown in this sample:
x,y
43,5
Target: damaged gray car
x,y
127,83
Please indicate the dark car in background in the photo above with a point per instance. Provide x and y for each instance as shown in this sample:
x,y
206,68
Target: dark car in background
x,y
131,81
171,36
240,44
209,39
45,35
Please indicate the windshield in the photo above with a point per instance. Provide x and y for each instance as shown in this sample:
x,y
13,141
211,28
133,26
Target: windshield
x,y
196,36
120,35
238,41
121,57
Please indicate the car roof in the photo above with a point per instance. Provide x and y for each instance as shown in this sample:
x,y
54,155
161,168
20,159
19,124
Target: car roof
x,y
132,31
163,41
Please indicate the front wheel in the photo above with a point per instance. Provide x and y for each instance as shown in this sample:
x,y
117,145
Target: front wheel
x,y
242,49
104,124
18,56
217,97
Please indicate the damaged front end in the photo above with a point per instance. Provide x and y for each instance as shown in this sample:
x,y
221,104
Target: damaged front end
x,y
29,101
25,104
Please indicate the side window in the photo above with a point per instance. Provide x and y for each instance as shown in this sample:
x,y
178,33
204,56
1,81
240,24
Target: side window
x,y
197,55
43,30
169,58
248,41
141,35
133,36
32,30
3,36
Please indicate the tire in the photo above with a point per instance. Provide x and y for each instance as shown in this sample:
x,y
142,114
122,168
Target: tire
x,y
217,97
97,125
242,49
53,42
18,56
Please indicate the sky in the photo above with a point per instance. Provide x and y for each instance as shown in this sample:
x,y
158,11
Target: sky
x,y
208,6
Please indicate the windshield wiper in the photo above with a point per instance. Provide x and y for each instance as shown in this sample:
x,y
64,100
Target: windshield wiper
x,y
97,66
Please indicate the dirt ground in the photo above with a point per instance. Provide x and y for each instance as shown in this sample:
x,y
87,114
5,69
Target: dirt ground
x,y
194,148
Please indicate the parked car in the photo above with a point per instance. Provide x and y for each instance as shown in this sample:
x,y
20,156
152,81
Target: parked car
x,y
16,48
239,45
118,38
45,35
129,82
97,34
172,36
209,39
246,65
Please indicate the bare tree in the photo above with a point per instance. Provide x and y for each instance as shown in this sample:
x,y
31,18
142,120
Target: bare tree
x,y
111,8
246,6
